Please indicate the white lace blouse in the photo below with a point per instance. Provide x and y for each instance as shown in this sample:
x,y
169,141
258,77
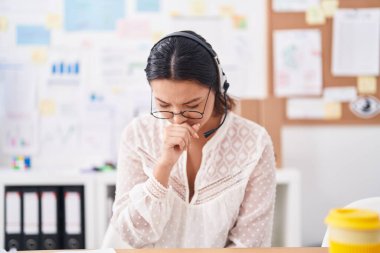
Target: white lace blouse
x,y
234,189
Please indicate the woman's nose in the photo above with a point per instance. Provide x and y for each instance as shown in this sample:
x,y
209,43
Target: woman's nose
x,y
179,119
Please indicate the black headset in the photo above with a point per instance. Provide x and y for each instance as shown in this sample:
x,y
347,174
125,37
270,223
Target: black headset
x,y
223,83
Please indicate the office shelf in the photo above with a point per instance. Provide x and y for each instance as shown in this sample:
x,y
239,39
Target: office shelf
x,y
99,190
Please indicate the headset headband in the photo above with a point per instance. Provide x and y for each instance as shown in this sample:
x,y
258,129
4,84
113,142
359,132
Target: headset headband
x,y
222,78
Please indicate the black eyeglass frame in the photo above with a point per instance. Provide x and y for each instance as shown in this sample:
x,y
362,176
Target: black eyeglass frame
x,y
179,113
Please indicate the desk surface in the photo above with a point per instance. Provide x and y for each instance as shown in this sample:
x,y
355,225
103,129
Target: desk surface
x,y
254,250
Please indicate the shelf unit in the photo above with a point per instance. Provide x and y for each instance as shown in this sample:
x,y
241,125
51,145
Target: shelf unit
x,y
97,191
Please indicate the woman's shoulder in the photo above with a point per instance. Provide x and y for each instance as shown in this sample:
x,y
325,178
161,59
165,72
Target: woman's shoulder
x,y
143,125
244,125
248,131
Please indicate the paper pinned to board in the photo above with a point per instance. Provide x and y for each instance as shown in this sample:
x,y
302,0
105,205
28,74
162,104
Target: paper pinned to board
x,y
307,108
352,56
313,109
340,94
293,5
297,62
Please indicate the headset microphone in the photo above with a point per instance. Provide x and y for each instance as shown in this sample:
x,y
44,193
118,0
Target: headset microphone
x,y
206,134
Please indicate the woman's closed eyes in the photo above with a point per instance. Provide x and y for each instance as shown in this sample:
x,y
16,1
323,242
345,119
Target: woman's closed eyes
x,y
187,106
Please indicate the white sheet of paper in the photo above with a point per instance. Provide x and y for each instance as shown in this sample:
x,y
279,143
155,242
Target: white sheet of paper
x,y
308,108
356,42
297,62
341,94
293,5
18,86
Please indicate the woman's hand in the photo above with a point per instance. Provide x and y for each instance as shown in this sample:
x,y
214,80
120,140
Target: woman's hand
x,y
177,138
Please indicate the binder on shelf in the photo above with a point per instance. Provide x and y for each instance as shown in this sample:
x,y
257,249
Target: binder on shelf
x,y
110,199
31,218
49,233
13,218
73,233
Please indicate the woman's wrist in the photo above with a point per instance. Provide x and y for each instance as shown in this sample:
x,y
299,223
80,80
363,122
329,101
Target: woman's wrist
x,y
162,172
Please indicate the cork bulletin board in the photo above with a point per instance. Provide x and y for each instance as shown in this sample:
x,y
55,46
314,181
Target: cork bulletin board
x,y
271,112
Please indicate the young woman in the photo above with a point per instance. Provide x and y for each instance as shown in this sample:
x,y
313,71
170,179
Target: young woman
x,y
193,173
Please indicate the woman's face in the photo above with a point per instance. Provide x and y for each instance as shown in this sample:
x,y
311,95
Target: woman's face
x,y
177,96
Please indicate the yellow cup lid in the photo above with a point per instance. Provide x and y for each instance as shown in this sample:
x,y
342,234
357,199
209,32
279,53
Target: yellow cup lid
x,y
350,218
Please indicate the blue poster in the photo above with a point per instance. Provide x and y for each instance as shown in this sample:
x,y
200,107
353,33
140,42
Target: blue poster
x,y
148,5
32,35
93,15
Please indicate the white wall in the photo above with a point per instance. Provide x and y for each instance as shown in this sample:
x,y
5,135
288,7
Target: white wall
x,y
338,165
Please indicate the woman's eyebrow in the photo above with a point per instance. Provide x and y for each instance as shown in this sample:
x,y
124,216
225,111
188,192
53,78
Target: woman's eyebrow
x,y
188,102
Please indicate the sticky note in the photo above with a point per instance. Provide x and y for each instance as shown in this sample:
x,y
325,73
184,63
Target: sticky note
x,y
198,7
156,36
226,11
3,24
53,21
174,14
367,85
315,16
240,22
47,107
333,110
117,90
39,56
329,7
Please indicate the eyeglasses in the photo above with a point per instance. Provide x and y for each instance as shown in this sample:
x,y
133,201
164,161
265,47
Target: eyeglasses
x,y
169,114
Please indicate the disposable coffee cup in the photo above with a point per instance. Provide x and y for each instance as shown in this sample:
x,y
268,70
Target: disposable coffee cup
x,y
353,231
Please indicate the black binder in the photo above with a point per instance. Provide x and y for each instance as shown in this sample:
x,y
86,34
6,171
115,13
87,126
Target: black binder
x,y
13,217
31,218
50,225
74,230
